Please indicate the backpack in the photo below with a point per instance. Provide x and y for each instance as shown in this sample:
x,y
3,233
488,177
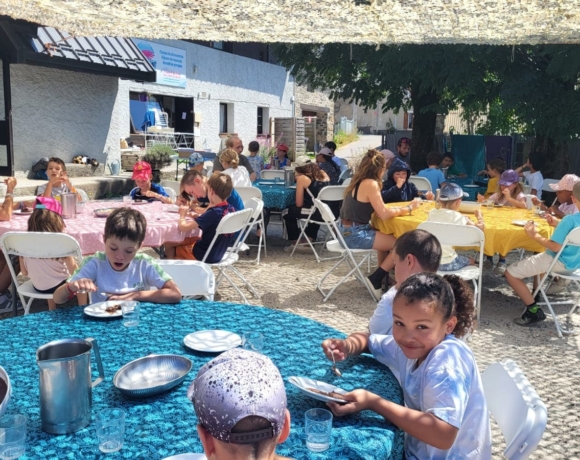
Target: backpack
x,y
40,165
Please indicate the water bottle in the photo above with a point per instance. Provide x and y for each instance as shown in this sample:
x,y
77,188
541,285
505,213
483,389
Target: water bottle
x,y
276,163
437,196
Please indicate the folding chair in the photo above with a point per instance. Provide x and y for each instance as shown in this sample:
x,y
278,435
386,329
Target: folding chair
x,y
422,184
193,278
573,239
271,174
344,175
516,407
38,245
346,254
347,181
329,193
171,184
247,193
257,207
171,193
464,236
83,195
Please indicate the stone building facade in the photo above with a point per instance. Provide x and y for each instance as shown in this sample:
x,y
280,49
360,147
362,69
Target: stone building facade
x,y
315,107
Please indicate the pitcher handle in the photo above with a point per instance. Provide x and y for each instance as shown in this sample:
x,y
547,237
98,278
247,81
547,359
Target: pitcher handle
x,y
98,360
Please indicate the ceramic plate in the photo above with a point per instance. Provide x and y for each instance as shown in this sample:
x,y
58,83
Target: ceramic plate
x,y
306,385
171,208
20,212
214,341
103,212
98,310
520,223
471,186
140,202
187,457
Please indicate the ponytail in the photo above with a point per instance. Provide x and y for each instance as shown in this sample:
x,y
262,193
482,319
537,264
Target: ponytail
x,y
464,309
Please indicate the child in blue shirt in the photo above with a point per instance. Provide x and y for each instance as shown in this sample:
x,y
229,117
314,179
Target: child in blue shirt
x,y
433,174
255,159
539,263
147,190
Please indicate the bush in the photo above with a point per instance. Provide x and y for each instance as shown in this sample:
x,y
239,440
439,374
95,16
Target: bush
x,y
159,156
342,138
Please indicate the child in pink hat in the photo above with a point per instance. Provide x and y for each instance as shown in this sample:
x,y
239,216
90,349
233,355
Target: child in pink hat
x,y
563,191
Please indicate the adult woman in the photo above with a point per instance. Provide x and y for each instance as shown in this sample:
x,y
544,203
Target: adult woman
x,y
361,199
309,178
324,160
281,156
231,163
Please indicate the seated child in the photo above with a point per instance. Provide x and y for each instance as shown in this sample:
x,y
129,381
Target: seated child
x,y
397,187
48,274
452,169
58,181
231,164
121,273
219,188
147,190
255,158
563,191
194,192
450,199
534,176
414,252
282,157
196,162
240,404
445,413
432,173
494,170
538,263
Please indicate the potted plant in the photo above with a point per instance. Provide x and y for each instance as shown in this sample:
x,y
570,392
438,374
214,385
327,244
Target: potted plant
x,y
158,156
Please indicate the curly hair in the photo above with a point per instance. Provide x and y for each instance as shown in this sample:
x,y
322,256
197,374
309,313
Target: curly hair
x,y
230,157
312,171
449,295
371,167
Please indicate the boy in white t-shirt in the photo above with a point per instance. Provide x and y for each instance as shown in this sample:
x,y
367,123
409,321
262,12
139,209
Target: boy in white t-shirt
x,y
534,176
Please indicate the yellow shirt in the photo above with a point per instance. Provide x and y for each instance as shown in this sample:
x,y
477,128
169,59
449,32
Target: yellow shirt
x,y
491,186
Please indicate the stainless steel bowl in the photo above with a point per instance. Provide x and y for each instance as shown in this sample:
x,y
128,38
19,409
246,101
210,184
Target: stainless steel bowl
x,y
151,375
5,390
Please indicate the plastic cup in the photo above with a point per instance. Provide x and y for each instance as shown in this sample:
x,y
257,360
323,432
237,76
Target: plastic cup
x,y
489,204
12,436
127,200
110,430
130,312
253,341
318,427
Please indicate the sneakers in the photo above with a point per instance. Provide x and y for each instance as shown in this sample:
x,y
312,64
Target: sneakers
x,y
530,318
376,292
500,268
487,264
556,289
6,303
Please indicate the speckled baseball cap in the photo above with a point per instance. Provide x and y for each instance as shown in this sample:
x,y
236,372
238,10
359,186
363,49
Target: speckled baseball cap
x,y
237,384
195,159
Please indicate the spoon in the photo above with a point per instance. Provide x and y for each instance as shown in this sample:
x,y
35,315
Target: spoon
x,y
334,368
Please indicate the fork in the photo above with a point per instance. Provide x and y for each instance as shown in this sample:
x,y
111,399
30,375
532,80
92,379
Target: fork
x,y
334,368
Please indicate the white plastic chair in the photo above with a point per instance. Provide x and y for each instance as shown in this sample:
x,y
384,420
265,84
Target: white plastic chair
x,y
247,193
83,195
346,181
193,278
38,245
171,193
346,254
329,193
271,174
344,175
516,407
257,206
171,184
573,239
461,236
422,184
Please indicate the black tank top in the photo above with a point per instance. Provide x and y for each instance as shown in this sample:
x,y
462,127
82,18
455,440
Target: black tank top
x,y
354,210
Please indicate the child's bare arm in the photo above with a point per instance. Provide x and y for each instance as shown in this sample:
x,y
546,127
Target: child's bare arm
x,y
169,293
23,267
71,264
68,290
530,229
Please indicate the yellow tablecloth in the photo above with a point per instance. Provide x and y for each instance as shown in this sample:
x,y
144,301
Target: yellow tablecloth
x,y
501,235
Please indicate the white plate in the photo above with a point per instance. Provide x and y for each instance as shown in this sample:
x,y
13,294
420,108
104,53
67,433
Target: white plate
x,y
140,202
187,457
471,186
303,384
520,223
292,186
19,212
213,341
97,310
171,208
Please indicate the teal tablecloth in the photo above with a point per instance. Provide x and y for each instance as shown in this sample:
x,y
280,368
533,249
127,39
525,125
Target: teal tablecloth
x,y
471,191
275,195
165,425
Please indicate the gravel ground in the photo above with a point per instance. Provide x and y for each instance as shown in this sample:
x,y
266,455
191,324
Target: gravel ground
x,y
551,364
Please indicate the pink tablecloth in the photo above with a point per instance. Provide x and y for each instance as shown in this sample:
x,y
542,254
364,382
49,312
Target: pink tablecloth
x,y
88,230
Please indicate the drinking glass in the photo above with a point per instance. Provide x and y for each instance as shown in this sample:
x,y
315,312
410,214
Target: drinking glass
x,y
12,436
130,310
489,204
536,210
253,341
110,429
318,428
127,200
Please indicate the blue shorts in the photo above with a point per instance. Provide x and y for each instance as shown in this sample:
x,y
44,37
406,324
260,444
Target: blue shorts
x,y
358,236
456,264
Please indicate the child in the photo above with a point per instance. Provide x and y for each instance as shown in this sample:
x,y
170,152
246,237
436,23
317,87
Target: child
x,y
450,199
433,174
414,252
452,169
196,162
534,176
445,413
219,188
58,181
495,169
255,159
120,273
194,184
147,190
563,191
282,156
240,403
48,274
231,163
537,264
397,187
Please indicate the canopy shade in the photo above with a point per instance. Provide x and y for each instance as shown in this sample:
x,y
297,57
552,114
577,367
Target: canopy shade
x,y
314,21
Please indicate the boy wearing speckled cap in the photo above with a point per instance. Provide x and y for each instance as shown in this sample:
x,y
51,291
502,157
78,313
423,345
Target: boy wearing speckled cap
x,y
239,417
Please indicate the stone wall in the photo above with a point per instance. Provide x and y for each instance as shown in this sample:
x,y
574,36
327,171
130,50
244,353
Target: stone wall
x,y
316,99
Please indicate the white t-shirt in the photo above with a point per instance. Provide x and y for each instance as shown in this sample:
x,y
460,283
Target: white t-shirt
x,y
240,176
566,209
62,188
382,320
446,384
535,180
447,216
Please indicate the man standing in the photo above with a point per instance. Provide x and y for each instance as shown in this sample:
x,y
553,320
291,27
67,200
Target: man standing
x,y
236,144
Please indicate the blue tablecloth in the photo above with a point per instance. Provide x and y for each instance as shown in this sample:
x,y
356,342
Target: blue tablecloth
x,y
276,195
471,191
165,425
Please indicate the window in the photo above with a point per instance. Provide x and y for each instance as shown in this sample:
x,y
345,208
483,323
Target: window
x,y
263,121
223,118
260,120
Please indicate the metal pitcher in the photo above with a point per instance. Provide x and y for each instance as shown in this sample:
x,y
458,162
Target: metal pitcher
x,y
68,201
65,384
289,177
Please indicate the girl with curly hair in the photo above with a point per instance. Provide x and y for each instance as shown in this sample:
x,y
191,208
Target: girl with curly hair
x,y
445,413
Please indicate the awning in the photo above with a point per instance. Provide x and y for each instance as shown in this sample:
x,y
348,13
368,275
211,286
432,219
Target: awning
x,y
23,42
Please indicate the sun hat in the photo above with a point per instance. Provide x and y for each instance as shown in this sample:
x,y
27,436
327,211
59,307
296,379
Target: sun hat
x,y
509,177
237,384
325,151
451,192
47,202
302,160
283,147
387,154
195,159
566,183
142,171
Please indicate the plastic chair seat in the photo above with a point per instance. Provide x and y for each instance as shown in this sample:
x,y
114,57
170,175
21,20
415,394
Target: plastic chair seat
x,y
27,289
469,273
335,246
